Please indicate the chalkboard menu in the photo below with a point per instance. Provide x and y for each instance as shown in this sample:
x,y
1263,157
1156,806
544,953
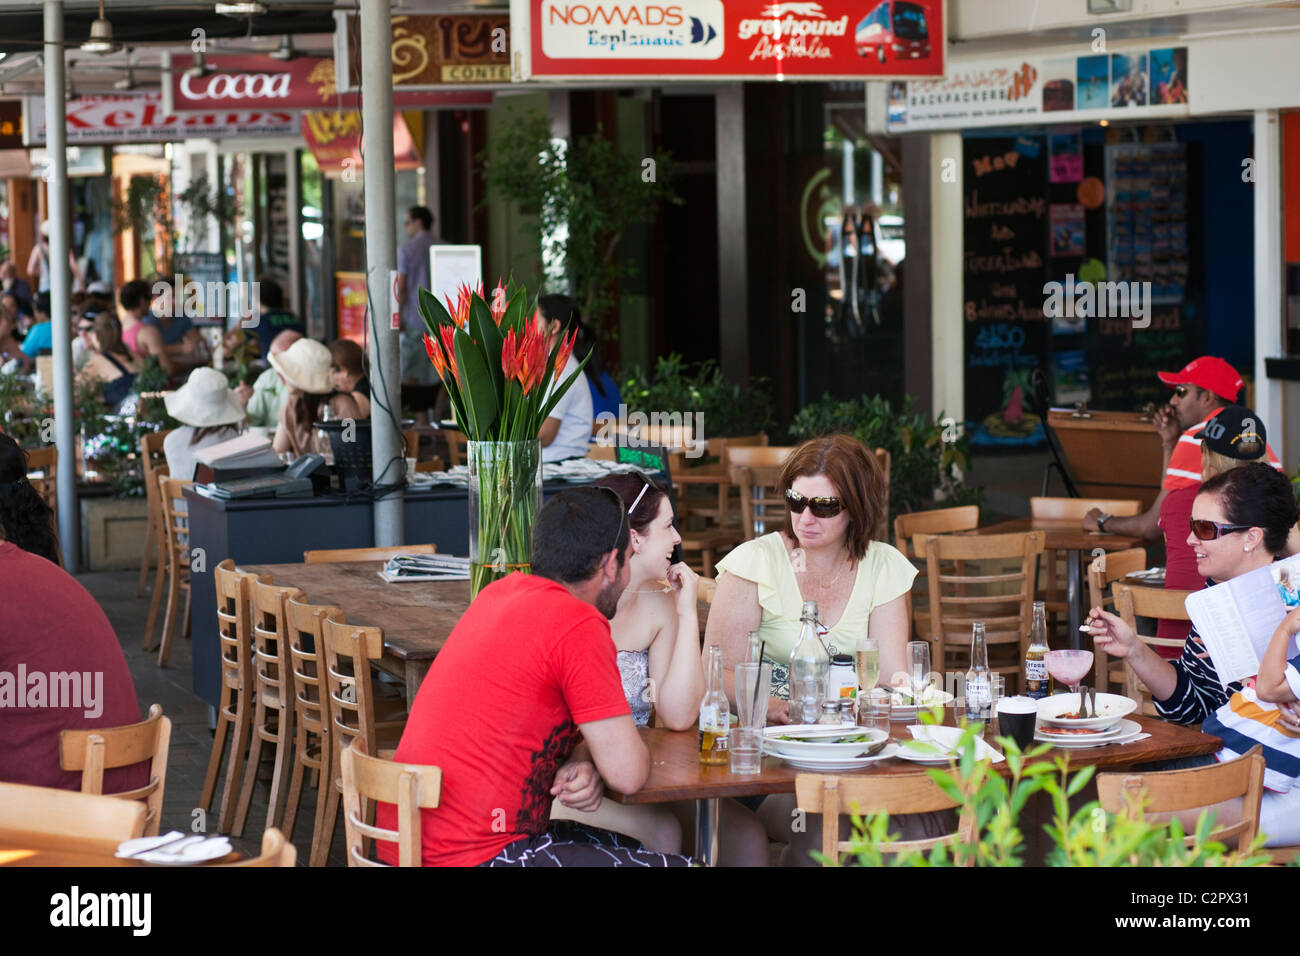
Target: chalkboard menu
x,y
1006,216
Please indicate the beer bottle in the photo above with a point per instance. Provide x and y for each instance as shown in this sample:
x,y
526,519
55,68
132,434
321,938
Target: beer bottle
x,y
1036,683
715,713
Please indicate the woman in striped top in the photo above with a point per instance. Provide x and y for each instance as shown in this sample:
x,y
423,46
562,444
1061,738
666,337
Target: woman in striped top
x,y
1240,522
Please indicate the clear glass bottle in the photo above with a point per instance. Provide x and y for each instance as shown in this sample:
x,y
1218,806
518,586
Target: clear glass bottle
x,y
979,691
830,714
715,713
810,665
1036,679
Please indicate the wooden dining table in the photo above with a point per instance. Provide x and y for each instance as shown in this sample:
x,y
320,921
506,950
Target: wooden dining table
x,y
677,774
1067,535
417,617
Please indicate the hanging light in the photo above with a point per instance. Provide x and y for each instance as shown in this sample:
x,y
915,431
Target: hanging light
x,y
101,35
245,9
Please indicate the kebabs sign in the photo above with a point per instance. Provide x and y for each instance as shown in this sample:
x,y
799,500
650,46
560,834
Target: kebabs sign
x,y
738,39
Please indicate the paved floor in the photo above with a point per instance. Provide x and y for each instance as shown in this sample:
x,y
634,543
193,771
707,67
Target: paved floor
x,y
191,743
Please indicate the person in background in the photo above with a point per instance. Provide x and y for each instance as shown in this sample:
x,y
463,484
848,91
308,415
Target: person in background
x,y
40,337
305,366
1240,523
49,624
38,263
133,297
10,347
264,400
605,396
274,318
347,369
1201,388
412,276
209,414
656,631
555,723
568,428
11,282
109,361
173,338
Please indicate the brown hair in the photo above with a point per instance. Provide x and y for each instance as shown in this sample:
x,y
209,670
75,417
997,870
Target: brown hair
x,y
109,333
854,472
627,487
347,355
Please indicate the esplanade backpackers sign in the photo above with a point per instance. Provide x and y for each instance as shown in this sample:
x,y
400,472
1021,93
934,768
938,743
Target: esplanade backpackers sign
x,y
93,120
735,39
303,83
436,51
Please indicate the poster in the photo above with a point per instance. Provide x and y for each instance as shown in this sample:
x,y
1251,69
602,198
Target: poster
x,y
1128,79
1070,376
1169,75
352,298
1092,82
1067,227
1146,217
1067,157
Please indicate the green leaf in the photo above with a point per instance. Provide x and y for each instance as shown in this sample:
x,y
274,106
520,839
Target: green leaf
x,y
1080,781
489,339
481,403
558,392
433,312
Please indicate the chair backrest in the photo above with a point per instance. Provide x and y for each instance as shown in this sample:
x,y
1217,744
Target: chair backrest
x,y
911,793
881,531
708,587
961,595
601,452
175,522
235,624
457,446
306,626
272,662
46,811
46,461
411,443
1103,571
1073,509
349,649
755,469
365,554
151,450
412,787
1171,791
758,456
276,851
935,521
1133,602
106,748
430,464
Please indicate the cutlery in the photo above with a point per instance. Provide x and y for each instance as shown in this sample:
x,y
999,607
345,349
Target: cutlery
x,y
175,843
1083,701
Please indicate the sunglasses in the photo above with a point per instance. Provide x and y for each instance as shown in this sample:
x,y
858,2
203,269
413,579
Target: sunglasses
x,y
821,507
1182,391
1206,530
83,329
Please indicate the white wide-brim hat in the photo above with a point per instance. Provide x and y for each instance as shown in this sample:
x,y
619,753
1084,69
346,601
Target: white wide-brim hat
x,y
306,366
204,401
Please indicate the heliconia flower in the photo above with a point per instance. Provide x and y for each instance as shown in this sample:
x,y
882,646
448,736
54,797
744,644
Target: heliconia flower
x,y
562,356
509,361
435,356
498,304
449,346
538,350
459,312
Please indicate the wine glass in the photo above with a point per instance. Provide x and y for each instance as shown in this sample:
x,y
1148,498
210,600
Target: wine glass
x,y
1069,667
918,668
867,659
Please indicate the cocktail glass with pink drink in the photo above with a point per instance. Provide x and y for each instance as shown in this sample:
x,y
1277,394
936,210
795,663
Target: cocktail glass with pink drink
x,y
1069,667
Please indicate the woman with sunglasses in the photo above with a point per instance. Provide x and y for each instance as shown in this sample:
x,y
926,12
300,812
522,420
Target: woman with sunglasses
x,y
656,631
1240,522
108,360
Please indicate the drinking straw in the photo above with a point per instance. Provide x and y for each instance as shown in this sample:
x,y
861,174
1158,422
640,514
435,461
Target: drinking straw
x,y
761,647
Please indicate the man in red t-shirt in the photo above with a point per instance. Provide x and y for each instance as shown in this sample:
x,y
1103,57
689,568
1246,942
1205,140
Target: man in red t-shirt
x,y
524,703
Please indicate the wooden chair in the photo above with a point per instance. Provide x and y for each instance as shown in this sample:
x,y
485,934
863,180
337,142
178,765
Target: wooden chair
x,y
276,851
756,470
175,528
411,443
961,595
234,708
599,452
153,502
430,464
273,714
105,748
365,554
714,478
913,793
457,446
1070,509
1133,602
50,812
43,473
1171,791
151,459
349,649
367,780
1103,572
312,748
708,588
935,521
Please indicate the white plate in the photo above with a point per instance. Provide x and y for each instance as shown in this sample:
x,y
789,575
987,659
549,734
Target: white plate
x,y
824,750
937,760
836,763
1124,731
200,851
1111,707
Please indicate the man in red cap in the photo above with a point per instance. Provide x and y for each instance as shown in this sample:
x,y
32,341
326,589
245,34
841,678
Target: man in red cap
x,y
1204,385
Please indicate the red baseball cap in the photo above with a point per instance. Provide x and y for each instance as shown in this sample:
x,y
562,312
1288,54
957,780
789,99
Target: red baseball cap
x,y
1210,373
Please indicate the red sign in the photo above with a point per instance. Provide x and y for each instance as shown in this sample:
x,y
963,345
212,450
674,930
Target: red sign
x,y
141,119
743,39
351,291
303,83
335,140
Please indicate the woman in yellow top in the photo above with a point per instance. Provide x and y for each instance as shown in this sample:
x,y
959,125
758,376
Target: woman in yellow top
x,y
834,490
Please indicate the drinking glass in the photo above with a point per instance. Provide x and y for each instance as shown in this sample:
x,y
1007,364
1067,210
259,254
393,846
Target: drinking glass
x,y
745,753
753,688
1069,667
867,660
874,709
918,668
997,689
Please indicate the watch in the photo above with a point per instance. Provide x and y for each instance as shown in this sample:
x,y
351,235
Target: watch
x,y
1101,521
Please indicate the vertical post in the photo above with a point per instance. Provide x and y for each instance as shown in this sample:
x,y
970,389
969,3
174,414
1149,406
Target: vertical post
x,y
381,258
1269,324
733,272
947,266
56,141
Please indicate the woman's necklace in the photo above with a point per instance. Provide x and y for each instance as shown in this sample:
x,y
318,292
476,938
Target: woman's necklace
x,y
827,585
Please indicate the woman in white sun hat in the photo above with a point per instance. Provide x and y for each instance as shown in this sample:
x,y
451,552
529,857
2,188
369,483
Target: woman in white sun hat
x,y
209,413
305,368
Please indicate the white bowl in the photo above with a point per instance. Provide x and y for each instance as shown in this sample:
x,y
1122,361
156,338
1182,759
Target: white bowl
x,y
1111,708
821,749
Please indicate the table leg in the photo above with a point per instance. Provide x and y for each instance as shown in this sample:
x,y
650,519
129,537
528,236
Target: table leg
x,y
415,671
706,831
1072,598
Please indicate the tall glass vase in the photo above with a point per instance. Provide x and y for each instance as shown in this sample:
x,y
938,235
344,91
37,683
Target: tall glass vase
x,y
505,493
